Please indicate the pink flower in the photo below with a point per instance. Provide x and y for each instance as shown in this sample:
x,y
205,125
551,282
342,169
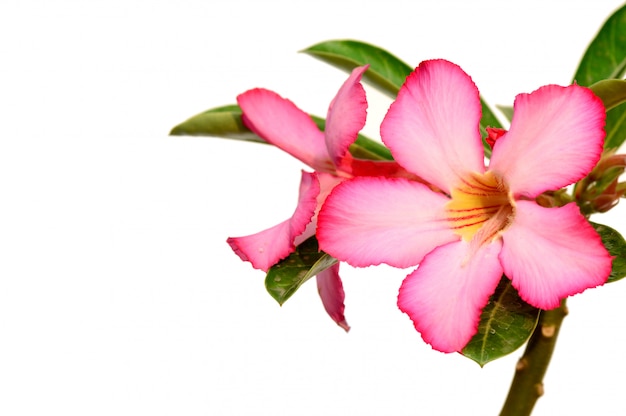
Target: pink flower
x,y
485,221
281,123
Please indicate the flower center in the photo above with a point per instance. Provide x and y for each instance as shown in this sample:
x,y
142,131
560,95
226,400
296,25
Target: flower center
x,y
480,207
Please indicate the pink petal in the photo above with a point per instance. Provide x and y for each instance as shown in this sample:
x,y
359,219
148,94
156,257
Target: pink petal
x,y
432,127
552,253
266,248
367,221
331,291
446,294
555,139
326,182
346,116
279,122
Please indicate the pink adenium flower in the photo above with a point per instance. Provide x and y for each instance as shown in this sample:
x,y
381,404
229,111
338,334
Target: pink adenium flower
x,y
279,122
484,222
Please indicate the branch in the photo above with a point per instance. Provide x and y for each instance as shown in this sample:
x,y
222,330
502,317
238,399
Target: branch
x,y
527,385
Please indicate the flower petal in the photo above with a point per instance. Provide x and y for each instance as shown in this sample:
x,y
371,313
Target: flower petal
x,y
331,292
555,139
367,221
266,248
346,116
552,253
432,127
446,294
326,184
279,122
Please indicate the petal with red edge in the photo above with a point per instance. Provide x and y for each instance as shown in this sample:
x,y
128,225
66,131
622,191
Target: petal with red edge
x,y
346,116
552,253
556,138
266,248
367,221
432,127
279,122
331,292
444,297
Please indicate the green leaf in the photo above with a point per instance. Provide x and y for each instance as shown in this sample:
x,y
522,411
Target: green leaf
x,y
606,55
226,122
612,92
505,324
386,72
286,277
615,127
615,244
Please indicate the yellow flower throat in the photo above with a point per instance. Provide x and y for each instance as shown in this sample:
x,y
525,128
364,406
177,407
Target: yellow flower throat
x,y
481,205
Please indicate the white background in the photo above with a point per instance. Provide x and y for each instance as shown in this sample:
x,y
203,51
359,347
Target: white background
x,y
118,293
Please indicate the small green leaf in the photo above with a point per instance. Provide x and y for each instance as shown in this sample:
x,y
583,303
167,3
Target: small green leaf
x,y
615,244
606,55
505,324
224,121
286,277
612,92
600,185
386,72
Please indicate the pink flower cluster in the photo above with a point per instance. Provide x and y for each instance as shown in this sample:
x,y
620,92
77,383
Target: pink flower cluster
x,y
438,206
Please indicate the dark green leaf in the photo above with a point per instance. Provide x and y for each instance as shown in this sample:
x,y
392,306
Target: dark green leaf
x,y
506,323
606,55
615,244
612,92
386,72
286,277
615,127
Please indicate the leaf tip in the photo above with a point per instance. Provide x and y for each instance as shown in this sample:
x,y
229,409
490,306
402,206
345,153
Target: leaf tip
x,y
176,131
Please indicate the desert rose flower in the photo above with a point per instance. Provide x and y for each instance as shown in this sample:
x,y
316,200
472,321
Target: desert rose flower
x,y
484,221
279,122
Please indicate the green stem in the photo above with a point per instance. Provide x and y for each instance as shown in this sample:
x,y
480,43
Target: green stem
x,y
527,385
